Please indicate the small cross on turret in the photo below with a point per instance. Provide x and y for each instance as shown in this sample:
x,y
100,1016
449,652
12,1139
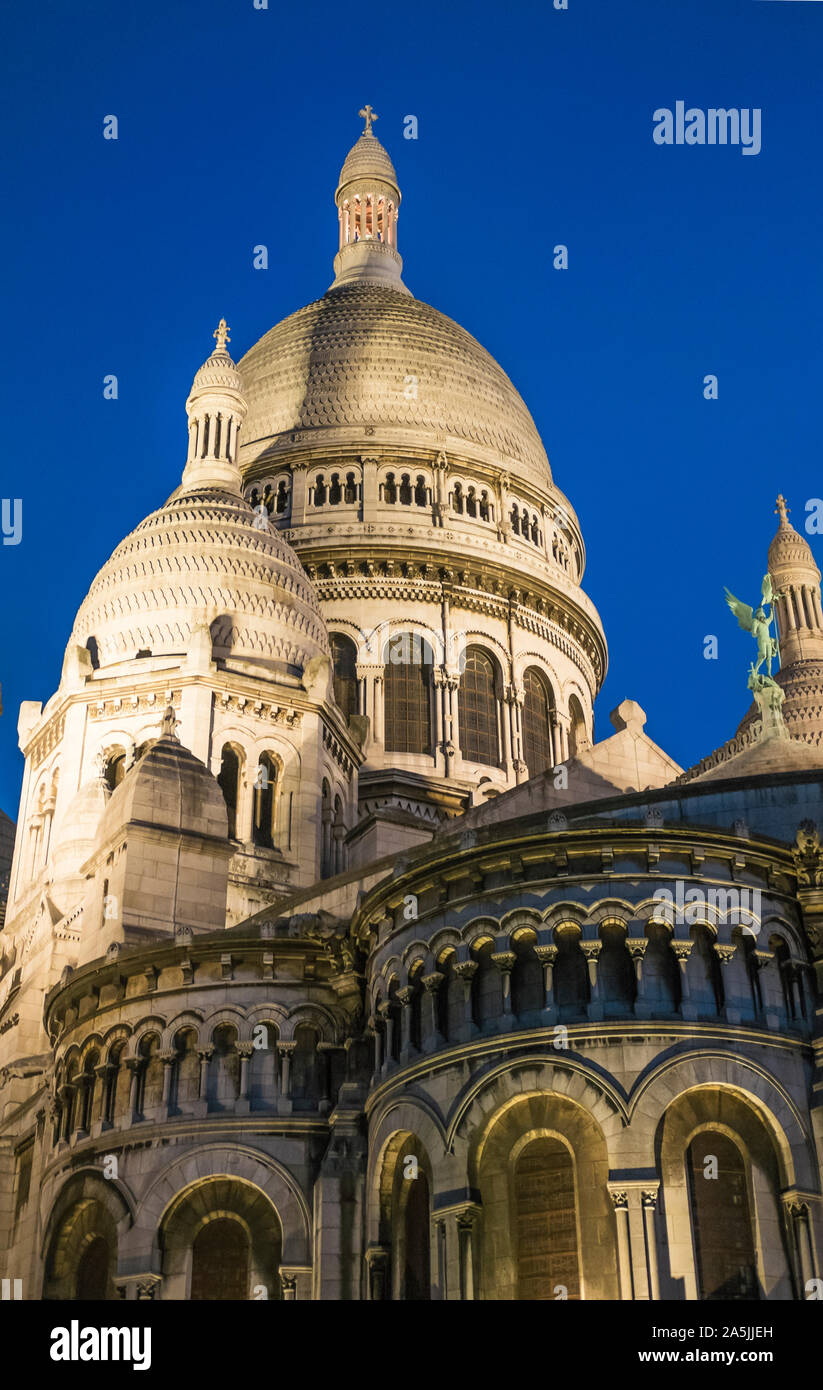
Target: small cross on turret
x,y
221,333
781,509
368,116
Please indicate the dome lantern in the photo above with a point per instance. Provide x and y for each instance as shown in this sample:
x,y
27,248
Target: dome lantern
x,y
797,580
216,408
368,202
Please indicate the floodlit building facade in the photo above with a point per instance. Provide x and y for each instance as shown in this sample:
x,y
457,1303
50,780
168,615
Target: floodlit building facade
x,y
340,960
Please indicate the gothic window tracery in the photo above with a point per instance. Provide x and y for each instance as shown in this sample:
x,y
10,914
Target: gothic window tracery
x,y
344,660
538,706
407,685
721,1219
478,704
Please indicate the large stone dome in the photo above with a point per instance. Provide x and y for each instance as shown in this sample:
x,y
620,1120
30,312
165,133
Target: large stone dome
x,y
367,358
201,558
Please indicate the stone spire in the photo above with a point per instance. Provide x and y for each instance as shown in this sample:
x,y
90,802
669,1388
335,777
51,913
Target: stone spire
x,y
797,579
368,201
216,409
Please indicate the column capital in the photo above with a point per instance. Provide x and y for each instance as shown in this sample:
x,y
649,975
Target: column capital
x,y
432,982
504,960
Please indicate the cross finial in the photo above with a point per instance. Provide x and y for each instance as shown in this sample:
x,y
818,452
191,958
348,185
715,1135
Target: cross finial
x,y
781,509
221,333
368,116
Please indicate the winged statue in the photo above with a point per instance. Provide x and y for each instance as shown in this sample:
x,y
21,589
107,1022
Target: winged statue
x,y
755,621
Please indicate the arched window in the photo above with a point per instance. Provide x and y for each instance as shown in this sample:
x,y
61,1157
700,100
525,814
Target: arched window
x,y
721,1220
405,490
457,498
477,700
350,490
220,1262
229,779
335,490
537,707
344,658
264,780
223,1075
115,768
471,502
578,737
416,1226
390,489
407,685
282,501
92,1277
546,1215
320,491
420,491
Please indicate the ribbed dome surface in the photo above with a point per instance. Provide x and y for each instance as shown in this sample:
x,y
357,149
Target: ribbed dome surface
x,y
201,553
218,371
347,360
367,158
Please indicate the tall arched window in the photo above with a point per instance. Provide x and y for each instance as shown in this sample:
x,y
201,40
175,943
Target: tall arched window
x,y
344,658
537,707
547,1254
416,1256
229,779
477,703
92,1277
721,1220
578,737
220,1262
263,823
407,684
115,768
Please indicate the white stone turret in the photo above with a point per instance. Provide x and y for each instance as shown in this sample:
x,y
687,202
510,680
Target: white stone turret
x,y
368,202
216,409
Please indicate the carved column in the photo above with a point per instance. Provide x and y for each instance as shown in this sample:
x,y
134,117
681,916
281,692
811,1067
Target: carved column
x,y
649,1199
168,1058
135,1067
591,950
725,955
547,955
466,970
620,1202
204,1053
682,950
244,1052
377,1273
636,946
375,1030
798,1219
505,962
405,996
384,1011
286,1051
431,1035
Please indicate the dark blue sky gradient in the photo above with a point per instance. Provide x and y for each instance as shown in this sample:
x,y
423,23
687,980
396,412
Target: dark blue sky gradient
x,y
535,127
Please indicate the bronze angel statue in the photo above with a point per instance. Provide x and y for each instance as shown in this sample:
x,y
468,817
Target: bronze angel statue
x,y
755,621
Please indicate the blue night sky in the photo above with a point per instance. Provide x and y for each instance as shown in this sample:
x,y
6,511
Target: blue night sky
x,y
535,128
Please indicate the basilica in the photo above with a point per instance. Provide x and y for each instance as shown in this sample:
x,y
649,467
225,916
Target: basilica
x,y
341,959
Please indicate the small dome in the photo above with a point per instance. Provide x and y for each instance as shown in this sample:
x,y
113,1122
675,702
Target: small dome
x,y
367,159
168,788
203,552
790,549
217,372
